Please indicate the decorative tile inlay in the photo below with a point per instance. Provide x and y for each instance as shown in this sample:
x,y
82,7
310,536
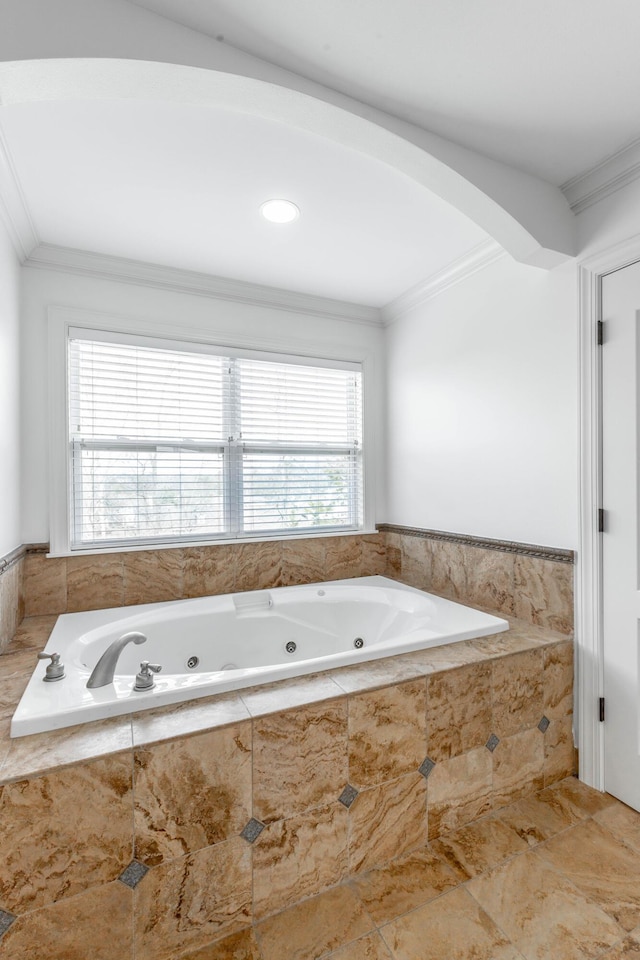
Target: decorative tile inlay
x,y
347,796
6,919
133,874
426,767
252,830
543,726
492,742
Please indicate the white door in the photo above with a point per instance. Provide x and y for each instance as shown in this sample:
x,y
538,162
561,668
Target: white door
x,y
621,538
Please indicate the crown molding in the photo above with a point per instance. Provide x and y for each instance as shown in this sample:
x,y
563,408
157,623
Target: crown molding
x,y
611,174
460,269
14,211
104,266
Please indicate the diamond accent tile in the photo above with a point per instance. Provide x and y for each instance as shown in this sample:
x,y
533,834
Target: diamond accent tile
x,y
492,742
252,830
544,724
133,874
6,919
426,767
347,796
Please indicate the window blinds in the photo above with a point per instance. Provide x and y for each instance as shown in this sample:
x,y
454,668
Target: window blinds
x,y
170,444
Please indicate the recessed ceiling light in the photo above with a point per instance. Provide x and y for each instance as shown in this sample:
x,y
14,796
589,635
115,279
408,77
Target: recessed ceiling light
x,y
279,211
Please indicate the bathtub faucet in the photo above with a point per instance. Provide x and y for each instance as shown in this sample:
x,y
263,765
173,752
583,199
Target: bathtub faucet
x,y
105,668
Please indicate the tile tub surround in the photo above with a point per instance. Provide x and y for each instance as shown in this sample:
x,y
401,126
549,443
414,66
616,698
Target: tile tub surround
x,y
519,580
11,595
511,579
195,826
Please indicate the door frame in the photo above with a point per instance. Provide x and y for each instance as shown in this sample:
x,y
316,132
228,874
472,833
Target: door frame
x,y
589,643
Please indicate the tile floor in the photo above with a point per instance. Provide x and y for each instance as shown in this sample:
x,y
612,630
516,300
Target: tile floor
x,y
555,876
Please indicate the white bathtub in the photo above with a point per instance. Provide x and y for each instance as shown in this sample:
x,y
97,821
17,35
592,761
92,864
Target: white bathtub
x,y
238,640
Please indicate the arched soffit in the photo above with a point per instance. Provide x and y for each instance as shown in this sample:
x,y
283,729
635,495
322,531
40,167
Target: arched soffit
x,y
528,217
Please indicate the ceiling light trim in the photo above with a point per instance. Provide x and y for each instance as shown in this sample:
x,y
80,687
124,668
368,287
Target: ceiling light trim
x,y
460,269
87,263
611,174
14,210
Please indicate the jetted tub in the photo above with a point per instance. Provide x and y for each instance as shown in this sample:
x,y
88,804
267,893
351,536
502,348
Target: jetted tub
x,y
215,644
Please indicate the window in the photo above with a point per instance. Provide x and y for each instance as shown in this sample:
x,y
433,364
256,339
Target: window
x,y
173,442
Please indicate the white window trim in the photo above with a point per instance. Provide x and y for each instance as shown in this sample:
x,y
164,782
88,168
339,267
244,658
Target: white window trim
x,y
61,319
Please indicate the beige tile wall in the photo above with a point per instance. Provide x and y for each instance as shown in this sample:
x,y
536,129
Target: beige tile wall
x,y
178,806
531,588
11,601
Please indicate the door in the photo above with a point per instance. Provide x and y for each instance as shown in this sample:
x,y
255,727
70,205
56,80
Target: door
x,y
620,538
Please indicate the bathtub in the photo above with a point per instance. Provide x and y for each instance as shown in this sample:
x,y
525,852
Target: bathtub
x,y
215,644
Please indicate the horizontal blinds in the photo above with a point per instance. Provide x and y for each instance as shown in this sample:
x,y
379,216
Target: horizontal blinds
x,y
170,444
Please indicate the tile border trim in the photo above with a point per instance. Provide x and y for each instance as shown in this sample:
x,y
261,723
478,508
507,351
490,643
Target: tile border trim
x,y
13,557
506,546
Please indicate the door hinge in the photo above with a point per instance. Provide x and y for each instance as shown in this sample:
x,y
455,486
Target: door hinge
x,y
600,520
599,332
601,709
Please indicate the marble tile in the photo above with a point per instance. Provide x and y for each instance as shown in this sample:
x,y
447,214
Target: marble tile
x,y
299,759
394,562
558,680
316,927
343,557
445,657
516,685
416,562
192,792
288,694
478,847
45,585
75,928
542,913
538,817
239,946
151,576
375,674
298,858
490,579
601,867
387,821
448,570
623,822
544,592
404,884
576,797
302,561
10,593
183,719
95,582
458,710
209,571
41,753
82,836
185,904
10,692
32,634
459,791
371,947
387,735
518,763
452,927
374,555
22,663
559,751
259,565
502,644
627,949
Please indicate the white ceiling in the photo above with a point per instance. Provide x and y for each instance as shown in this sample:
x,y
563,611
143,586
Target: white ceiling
x,y
549,86
181,186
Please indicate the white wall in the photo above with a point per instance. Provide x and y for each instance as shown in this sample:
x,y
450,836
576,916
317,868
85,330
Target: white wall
x,y
482,421
9,396
173,313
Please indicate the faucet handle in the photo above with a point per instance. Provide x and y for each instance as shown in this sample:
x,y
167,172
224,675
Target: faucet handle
x,y
55,669
144,677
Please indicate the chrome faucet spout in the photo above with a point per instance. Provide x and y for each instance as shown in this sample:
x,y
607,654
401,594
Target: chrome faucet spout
x,y
105,668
